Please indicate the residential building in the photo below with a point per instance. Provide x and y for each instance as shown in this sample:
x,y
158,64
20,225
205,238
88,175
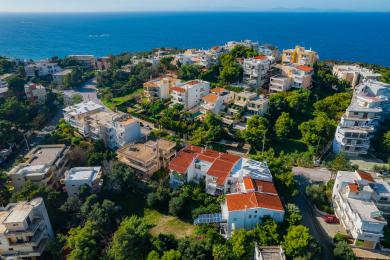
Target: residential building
x,y
291,76
257,106
355,74
300,56
35,93
80,176
221,171
279,83
4,91
41,68
190,94
149,157
269,253
59,77
256,71
86,60
370,105
246,43
25,229
158,89
103,63
43,165
353,194
91,121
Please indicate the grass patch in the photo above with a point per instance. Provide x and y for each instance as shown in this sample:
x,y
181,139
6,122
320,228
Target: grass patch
x,y
164,224
118,101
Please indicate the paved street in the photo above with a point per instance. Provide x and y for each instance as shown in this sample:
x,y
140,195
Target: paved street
x,y
313,174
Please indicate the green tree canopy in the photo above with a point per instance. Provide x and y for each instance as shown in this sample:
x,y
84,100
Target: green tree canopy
x,y
296,241
284,126
256,131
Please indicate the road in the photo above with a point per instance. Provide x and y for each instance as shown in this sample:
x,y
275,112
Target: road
x,y
313,174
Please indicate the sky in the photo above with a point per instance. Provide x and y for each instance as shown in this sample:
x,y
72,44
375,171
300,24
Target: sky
x,y
188,5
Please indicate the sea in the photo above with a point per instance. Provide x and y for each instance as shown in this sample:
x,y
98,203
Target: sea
x,y
359,37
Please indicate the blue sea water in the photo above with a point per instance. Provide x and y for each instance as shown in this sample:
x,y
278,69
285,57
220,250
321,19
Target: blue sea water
x,y
343,36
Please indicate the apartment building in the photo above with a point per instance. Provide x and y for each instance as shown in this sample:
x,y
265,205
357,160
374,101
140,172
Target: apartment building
x,y
25,229
355,74
256,71
269,253
221,171
84,59
158,89
300,56
80,176
291,76
370,105
216,101
59,77
93,122
4,91
35,93
147,158
43,165
246,43
190,94
41,68
354,200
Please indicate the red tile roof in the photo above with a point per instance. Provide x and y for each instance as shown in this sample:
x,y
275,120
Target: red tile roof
x,y
265,187
365,175
353,187
248,183
242,201
218,90
192,82
305,68
178,89
182,161
261,57
210,98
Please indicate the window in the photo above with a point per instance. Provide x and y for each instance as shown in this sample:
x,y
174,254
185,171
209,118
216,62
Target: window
x,y
250,216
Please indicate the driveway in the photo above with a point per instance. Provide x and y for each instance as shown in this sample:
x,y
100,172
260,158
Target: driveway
x,y
313,174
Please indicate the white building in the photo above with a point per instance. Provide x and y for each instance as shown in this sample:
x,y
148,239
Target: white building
x,y
246,43
93,122
43,165
216,101
353,202
80,176
84,59
158,89
369,106
4,85
59,77
190,94
291,76
256,71
41,68
35,93
25,229
355,74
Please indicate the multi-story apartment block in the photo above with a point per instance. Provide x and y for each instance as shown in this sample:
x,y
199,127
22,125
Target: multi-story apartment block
x,y
35,93
43,165
216,101
4,91
149,157
246,43
25,229
257,106
59,77
159,88
256,70
91,121
355,195
279,83
80,176
355,74
291,76
190,94
84,59
299,56
41,69
369,106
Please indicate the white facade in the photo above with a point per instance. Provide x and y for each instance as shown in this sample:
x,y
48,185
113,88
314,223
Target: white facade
x,y
35,93
80,176
41,69
190,94
59,77
369,106
25,229
355,208
256,71
4,85
160,88
43,165
355,74
279,83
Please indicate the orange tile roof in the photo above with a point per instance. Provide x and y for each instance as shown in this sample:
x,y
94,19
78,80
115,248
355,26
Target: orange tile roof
x,y
178,89
353,187
242,201
210,98
265,186
248,183
192,82
260,57
218,90
365,175
128,121
305,68
182,161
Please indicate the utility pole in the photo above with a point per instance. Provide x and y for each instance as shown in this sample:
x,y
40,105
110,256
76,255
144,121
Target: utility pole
x,y
262,151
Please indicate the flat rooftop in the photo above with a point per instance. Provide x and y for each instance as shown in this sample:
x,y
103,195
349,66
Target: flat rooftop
x,y
82,108
82,173
45,154
63,73
140,152
365,209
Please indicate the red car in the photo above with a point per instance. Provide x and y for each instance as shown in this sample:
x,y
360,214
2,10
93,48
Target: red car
x,y
331,219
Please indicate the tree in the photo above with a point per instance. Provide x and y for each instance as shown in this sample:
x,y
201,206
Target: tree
x,y
241,51
77,98
267,234
6,65
171,255
343,251
333,106
209,132
5,193
176,205
386,140
191,248
82,242
131,240
242,244
284,126
8,134
341,163
221,252
296,241
256,130
189,72
293,215
16,85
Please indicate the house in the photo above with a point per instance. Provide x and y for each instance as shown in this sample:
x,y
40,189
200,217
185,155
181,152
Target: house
x,y
370,105
80,176
212,103
353,202
86,60
41,68
91,121
103,63
35,93
190,94
300,56
147,158
43,165
25,229
158,89
59,77
219,170
291,76
256,70
355,74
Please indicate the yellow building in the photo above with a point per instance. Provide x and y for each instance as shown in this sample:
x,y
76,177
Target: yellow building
x,y
300,56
